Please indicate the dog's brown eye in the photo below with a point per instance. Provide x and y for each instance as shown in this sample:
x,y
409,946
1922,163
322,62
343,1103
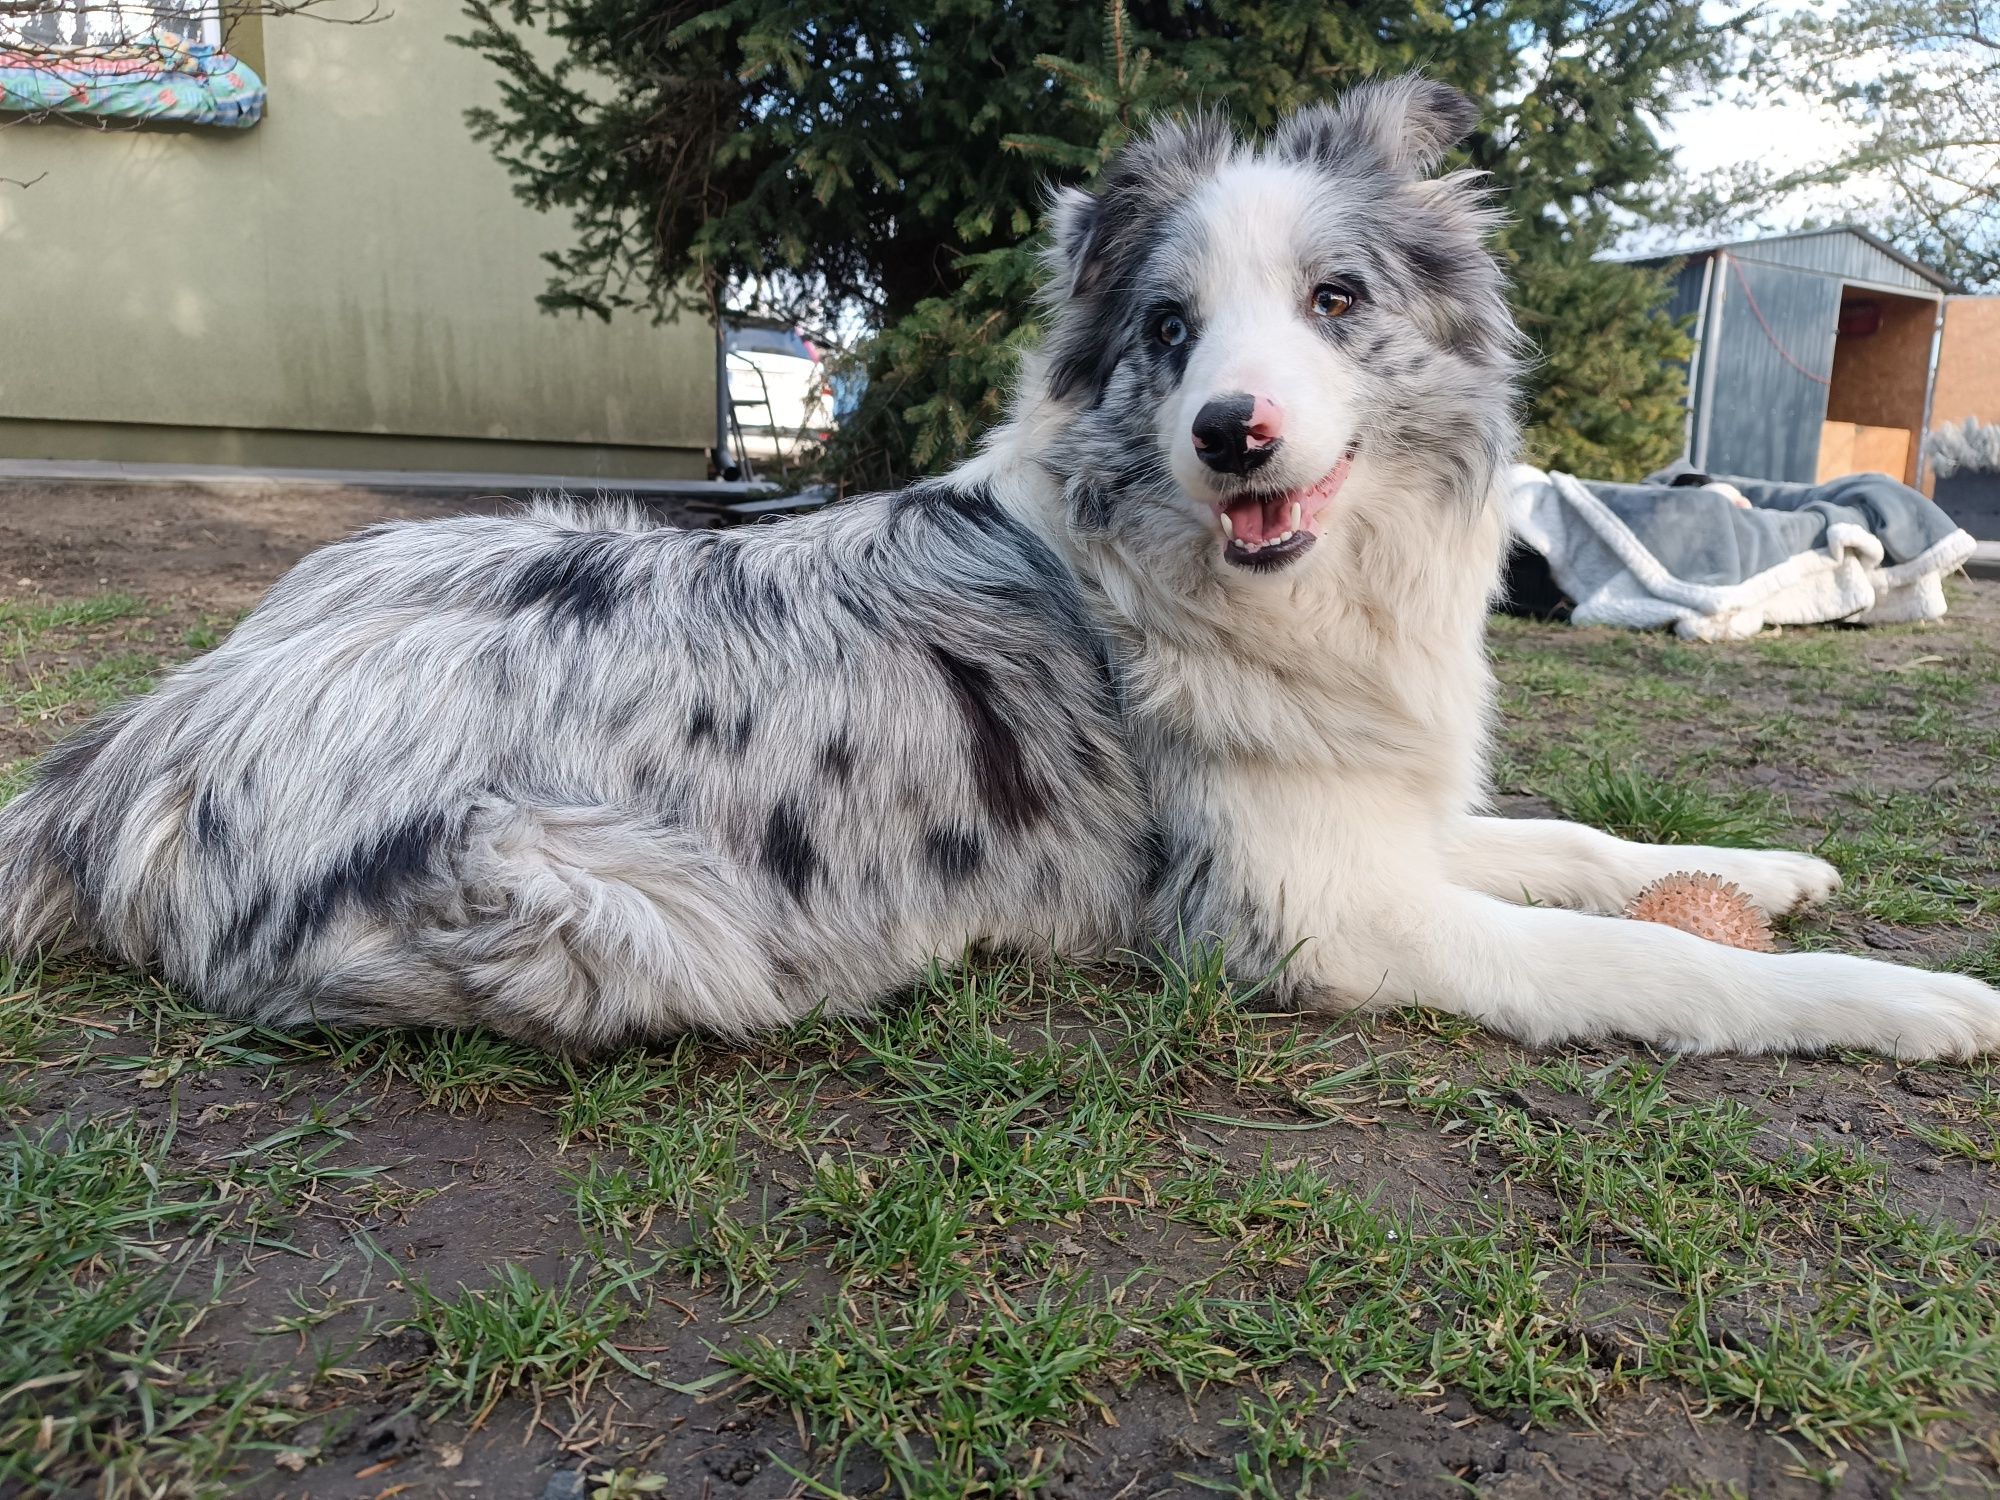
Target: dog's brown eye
x,y
1171,330
1331,300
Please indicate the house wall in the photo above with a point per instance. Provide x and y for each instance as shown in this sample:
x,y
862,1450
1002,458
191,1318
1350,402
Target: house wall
x,y
1968,385
1968,369
351,281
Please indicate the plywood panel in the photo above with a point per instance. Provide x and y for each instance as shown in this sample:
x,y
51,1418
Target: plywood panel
x,y
1836,451
1880,378
1851,448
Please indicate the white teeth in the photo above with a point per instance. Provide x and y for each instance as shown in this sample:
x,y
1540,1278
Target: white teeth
x,y
1295,517
1270,541
1228,530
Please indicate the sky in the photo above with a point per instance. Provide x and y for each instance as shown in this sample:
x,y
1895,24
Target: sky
x,y
1779,131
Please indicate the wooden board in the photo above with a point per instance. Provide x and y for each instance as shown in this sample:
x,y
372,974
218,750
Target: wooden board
x,y
1851,448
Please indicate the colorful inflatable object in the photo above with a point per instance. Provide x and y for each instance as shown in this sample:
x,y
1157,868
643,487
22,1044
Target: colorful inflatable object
x,y
164,78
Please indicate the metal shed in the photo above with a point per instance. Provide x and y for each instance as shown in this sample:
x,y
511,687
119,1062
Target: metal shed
x,y
1814,354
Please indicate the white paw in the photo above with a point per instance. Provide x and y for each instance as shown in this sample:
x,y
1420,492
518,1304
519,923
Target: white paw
x,y
1776,880
1935,1015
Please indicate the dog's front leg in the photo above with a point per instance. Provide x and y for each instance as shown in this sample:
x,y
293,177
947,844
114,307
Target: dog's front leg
x,y
1551,863
1548,975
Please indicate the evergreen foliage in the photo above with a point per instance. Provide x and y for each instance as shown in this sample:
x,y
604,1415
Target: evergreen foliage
x,y
882,163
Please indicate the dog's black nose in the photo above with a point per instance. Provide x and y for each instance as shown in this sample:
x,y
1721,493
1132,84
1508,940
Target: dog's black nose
x,y
1234,434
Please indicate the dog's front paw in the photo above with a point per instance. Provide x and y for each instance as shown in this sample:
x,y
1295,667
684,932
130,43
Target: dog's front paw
x,y
1942,1015
1778,881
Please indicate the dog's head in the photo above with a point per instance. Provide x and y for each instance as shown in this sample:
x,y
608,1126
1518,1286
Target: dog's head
x,y
1247,337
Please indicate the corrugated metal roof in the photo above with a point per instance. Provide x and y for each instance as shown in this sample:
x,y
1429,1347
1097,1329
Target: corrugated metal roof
x,y
1845,250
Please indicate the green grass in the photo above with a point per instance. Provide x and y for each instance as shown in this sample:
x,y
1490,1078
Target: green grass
x,y
97,684
944,1241
94,1295
1631,802
519,1334
1284,1449
1722,1218
1915,858
33,620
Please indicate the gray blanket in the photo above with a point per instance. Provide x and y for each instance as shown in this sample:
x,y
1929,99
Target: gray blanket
x,y
1863,548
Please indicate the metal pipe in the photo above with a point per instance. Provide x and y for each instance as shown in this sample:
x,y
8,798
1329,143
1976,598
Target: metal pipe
x,y
722,455
1696,363
1930,391
1711,338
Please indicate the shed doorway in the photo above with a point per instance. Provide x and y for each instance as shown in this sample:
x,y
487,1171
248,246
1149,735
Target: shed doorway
x,y
1881,377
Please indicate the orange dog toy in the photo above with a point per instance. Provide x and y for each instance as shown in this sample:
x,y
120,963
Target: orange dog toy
x,y
1707,906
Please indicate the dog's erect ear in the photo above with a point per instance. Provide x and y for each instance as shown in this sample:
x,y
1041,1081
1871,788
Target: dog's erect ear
x,y
1094,232
1099,240
1404,124
1074,219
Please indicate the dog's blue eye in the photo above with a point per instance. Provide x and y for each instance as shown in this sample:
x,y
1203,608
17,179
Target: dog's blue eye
x,y
1331,300
1171,330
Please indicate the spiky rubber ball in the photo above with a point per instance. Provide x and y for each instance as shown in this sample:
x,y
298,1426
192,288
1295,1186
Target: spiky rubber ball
x,y
1707,906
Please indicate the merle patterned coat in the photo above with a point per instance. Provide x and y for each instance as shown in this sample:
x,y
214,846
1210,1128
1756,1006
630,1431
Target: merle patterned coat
x,y
1190,654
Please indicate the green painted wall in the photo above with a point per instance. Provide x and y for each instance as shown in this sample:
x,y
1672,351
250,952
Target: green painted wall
x,y
355,264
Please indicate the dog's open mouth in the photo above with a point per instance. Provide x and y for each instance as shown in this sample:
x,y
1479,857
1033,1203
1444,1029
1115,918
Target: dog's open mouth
x,y
1268,531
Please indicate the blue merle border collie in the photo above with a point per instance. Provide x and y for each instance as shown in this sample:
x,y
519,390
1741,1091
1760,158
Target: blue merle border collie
x,y
1190,654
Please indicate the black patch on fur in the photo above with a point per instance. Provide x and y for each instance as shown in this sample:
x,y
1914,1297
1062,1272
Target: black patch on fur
x,y
242,932
725,580
937,501
69,761
836,758
211,829
1012,795
858,607
1471,342
578,579
738,587
953,854
1194,883
623,716
1437,268
372,874
701,721
68,849
972,520
1089,759
740,731
788,853
499,660
1089,505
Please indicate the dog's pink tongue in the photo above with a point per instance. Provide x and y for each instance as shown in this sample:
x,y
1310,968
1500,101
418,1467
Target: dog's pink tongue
x,y
1253,521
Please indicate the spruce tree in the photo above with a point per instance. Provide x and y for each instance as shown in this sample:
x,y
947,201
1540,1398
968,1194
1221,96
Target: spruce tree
x,y
884,164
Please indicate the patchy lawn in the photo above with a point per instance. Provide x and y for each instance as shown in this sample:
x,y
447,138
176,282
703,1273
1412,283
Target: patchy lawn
x,y
1077,1234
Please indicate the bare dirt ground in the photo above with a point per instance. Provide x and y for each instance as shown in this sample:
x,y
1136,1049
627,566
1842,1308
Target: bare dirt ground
x,y
1086,1236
